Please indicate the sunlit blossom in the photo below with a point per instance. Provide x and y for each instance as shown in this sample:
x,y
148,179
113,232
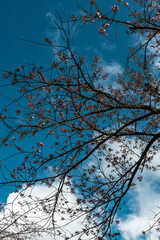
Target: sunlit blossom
x,y
115,8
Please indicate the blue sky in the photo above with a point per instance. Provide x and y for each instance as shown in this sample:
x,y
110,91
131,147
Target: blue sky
x,y
30,20
26,20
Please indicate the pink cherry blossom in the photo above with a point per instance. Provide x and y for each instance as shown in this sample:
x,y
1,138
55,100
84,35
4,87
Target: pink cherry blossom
x,y
115,8
41,144
102,31
98,15
105,25
126,4
92,2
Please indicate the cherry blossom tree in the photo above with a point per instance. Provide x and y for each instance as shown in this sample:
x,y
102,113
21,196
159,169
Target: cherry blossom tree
x,y
68,128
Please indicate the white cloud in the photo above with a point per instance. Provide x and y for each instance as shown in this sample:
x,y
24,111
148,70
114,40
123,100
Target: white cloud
x,y
144,205
35,210
152,47
55,34
143,201
135,223
108,46
112,68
